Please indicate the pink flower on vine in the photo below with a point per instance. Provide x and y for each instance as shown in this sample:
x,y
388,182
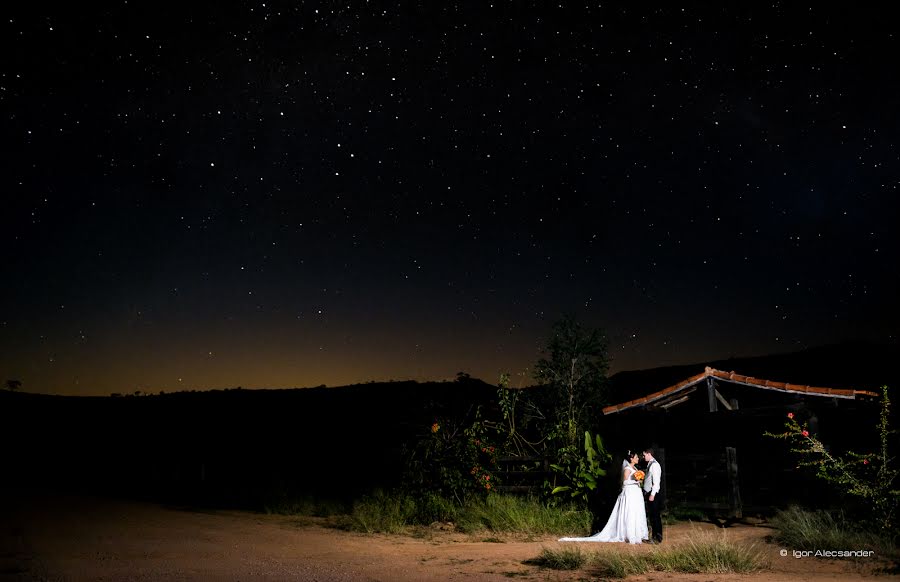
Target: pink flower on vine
x,y
805,433
791,415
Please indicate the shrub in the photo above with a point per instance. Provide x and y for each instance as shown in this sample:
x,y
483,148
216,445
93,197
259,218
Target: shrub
x,y
453,459
869,477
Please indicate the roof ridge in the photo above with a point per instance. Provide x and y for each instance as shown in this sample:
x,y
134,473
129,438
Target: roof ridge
x,y
733,376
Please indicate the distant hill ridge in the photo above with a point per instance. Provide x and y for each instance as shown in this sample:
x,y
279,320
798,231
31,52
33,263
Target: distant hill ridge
x,y
860,365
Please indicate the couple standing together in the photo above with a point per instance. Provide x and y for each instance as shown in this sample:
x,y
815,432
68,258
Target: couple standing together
x,y
628,521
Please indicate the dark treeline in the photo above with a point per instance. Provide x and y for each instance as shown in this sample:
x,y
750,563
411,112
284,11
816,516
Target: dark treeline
x,y
244,448
225,447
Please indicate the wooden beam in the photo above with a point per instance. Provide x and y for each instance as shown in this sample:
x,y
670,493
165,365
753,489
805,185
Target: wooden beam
x,y
672,403
722,400
710,393
734,493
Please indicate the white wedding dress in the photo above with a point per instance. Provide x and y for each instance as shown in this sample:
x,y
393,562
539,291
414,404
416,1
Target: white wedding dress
x,y
628,521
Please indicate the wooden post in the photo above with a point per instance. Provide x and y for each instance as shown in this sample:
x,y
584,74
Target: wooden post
x,y
711,393
661,459
734,490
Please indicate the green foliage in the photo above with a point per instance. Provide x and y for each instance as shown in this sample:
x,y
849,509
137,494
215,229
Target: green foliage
x,y
518,413
581,473
454,459
575,371
870,477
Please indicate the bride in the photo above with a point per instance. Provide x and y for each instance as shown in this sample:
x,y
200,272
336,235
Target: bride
x,y
628,521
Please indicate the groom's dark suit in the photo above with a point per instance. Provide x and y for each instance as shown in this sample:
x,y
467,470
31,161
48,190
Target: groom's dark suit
x,y
652,487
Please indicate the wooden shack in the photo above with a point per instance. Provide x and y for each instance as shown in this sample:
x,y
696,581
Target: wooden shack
x,y
709,433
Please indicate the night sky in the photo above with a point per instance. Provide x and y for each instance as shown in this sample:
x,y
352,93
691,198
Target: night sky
x,y
292,194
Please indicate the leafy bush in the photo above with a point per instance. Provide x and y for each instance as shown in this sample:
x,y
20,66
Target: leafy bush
x,y
581,473
454,459
870,477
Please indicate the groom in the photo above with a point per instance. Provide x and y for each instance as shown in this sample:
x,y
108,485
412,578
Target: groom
x,y
652,484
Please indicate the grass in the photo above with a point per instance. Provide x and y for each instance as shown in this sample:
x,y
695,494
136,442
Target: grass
x,y
305,506
565,558
393,512
381,513
521,515
710,553
677,514
802,529
702,554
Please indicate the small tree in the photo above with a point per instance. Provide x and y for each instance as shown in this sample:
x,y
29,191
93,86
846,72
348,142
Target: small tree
x,y
870,477
518,417
13,385
575,371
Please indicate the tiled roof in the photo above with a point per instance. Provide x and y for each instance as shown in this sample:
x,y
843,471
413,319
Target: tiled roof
x,y
738,379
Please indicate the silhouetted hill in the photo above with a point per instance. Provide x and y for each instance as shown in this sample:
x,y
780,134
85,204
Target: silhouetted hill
x,y
240,446
859,365
226,445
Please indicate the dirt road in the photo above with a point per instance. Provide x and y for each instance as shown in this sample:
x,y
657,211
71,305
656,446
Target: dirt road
x,y
71,538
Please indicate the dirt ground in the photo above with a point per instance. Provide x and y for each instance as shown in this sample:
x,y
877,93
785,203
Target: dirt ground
x,y
71,538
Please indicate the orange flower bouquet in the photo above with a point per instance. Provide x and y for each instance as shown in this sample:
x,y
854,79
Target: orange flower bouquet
x,y
638,475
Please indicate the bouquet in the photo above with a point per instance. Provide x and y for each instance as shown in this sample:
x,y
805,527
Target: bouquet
x,y
638,476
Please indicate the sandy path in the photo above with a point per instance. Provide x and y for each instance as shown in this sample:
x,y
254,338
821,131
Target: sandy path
x,y
79,538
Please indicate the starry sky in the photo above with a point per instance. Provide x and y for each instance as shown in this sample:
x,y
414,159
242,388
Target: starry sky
x,y
291,194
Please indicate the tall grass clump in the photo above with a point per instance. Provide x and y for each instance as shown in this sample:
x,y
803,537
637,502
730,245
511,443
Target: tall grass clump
x,y
710,554
304,505
522,515
566,558
619,564
801,529
383,513
701,554
394,512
